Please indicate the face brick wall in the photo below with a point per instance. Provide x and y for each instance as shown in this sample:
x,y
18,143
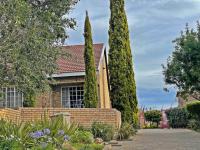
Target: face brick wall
x,y
85,116
43,100
10,115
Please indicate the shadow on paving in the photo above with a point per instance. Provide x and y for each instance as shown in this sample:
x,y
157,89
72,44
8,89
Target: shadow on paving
x,y
163,139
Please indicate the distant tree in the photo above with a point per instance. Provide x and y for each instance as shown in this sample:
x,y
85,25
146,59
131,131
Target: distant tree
x,y
183,67
154,116
90,87
123,89
30,33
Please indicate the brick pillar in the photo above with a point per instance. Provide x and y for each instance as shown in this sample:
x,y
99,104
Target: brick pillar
x,y
63,116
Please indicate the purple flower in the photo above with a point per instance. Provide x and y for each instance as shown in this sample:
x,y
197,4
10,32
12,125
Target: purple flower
x,y
66,138
46,131
36,134
61,132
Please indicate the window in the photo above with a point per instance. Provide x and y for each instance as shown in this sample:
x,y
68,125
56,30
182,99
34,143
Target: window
x,y
72,97
11,98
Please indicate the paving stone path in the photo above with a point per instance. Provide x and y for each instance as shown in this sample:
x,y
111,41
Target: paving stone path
x,y
163,139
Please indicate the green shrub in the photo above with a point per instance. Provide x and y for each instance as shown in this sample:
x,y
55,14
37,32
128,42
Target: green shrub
x,y
154,116
194,109
150,126
9,144
194,124
93,146
83,137
178,117
104,131
125,131
29,99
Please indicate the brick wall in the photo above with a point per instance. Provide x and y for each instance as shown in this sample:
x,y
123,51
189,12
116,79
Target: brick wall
x,y
141,119
84,116
43,100
11,115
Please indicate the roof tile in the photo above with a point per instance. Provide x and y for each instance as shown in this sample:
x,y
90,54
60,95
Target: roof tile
x,y
74,62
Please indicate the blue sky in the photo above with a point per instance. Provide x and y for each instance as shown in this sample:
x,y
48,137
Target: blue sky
x,y
153,24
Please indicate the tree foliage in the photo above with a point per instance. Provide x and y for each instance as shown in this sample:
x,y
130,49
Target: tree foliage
x,y
123,89
194,109
90,87
30,31
183,67
153,116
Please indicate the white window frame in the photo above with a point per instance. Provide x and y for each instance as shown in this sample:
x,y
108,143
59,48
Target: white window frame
x,y
69,101
15,103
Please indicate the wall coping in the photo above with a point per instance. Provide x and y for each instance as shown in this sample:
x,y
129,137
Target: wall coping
x,y
58,108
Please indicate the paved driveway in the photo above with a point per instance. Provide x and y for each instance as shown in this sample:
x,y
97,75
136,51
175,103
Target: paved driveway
x,y
163,139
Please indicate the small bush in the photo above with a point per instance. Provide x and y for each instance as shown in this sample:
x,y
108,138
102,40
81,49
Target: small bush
x,y
125,131
8,144
150,126
154,116
194,125
104,131
79,146
29,100
194,108
83,137
178,117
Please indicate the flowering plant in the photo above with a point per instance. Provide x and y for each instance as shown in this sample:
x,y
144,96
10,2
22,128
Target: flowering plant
x,y
44,138
45,134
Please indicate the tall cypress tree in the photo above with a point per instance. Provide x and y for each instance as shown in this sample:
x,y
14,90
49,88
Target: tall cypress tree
x,y
90,87
123,89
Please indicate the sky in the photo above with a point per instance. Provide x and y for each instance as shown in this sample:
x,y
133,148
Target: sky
x,y
153,25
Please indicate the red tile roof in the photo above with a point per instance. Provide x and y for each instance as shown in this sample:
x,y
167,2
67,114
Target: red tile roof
x,y
75,61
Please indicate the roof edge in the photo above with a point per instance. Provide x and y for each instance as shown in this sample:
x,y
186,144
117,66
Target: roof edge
x,y
68,74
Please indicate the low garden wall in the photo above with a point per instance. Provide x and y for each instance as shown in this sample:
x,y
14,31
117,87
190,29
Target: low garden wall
x,y
83,116
10,115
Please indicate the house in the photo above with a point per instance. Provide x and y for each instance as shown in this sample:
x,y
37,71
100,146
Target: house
x,y
68,88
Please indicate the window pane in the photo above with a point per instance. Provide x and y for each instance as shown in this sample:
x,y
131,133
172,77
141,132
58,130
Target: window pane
x,y
11,98
18,99
74,97
65,100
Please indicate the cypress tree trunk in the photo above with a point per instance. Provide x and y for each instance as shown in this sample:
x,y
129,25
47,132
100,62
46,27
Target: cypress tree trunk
x,y
123,89
90,87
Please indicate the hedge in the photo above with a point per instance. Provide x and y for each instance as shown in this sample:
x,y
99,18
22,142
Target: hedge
x,y
178,117
194,108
